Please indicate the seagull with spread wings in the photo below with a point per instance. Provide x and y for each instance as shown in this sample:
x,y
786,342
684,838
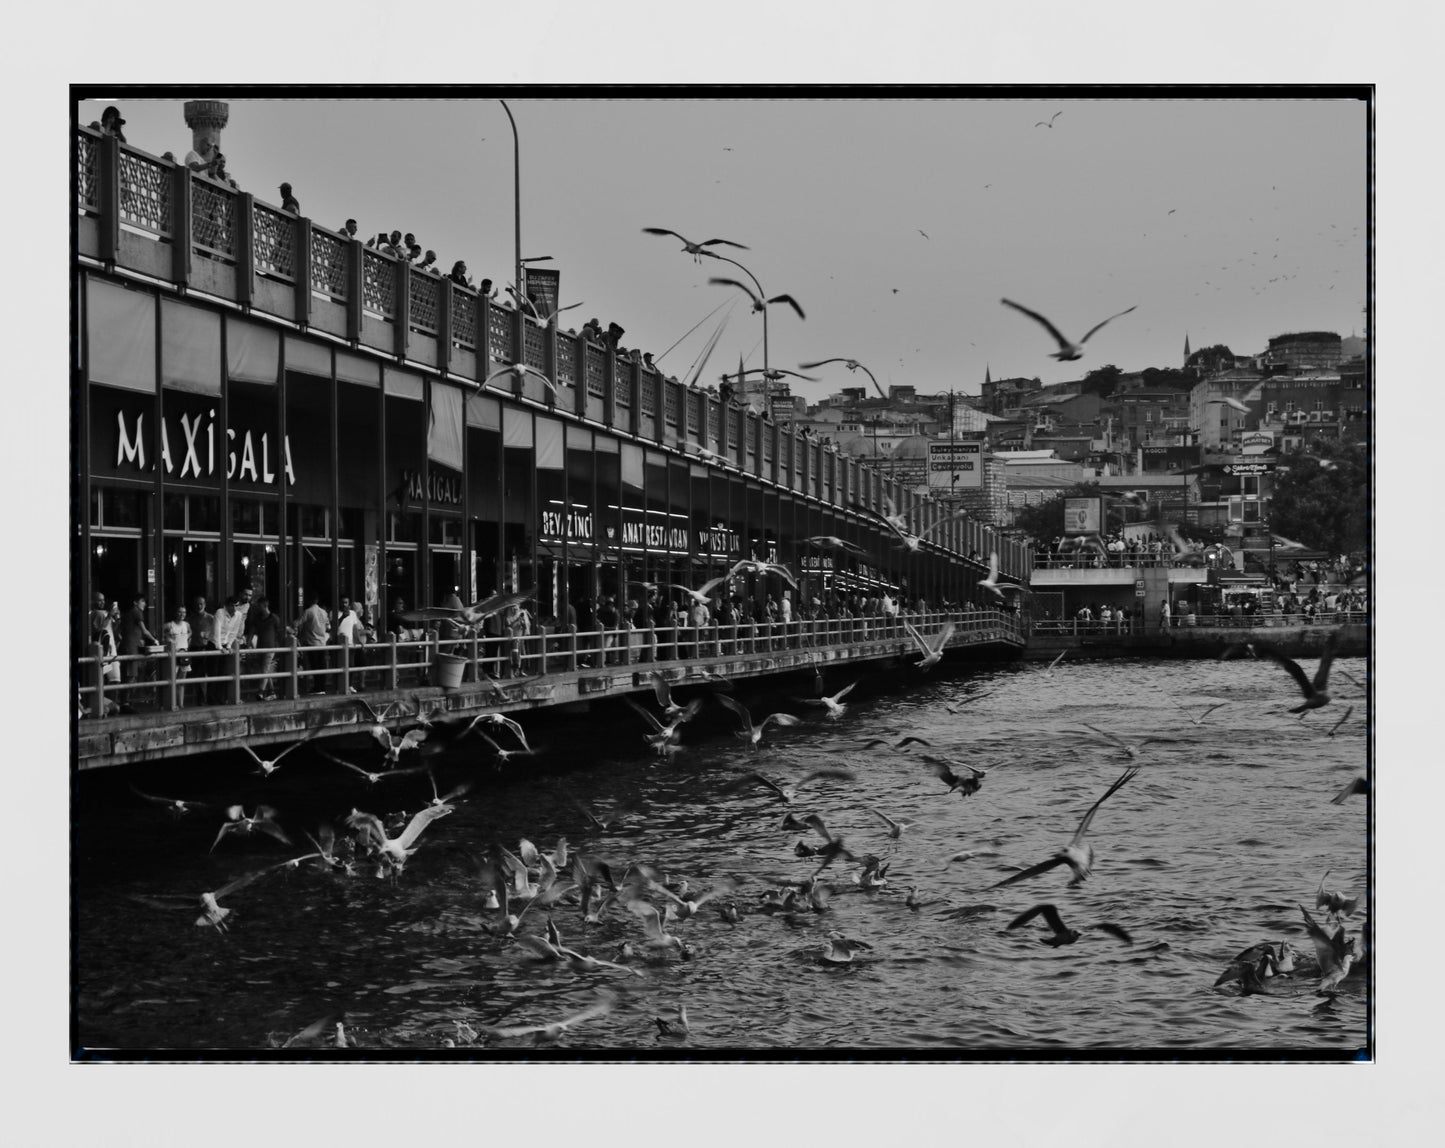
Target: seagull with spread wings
x,y
522,370
966,786
695,249
263,821
932,648
786,793
215,914
1315,692
473,615
996,588
1062,934
852,365
759,303
834,704
395,849
1077,854
749,732
547,1033
1048,123
833,542
762,569
906,537
372,776
1067,351
267,768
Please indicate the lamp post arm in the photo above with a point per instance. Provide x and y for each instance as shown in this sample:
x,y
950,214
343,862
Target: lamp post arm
x,y
516,201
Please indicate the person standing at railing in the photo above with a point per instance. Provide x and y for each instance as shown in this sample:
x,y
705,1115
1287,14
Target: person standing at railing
x,y
701,616
267,634
110,123
102,634
203,639
312,629
289,201
178,637
134,634
203,158
230,625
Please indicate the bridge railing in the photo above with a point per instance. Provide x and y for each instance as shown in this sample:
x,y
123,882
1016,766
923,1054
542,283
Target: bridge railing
x,y
167,680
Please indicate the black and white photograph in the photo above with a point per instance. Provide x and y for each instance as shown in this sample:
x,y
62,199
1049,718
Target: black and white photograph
x,y
886,575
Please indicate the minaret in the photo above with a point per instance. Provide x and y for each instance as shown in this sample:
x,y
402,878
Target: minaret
x,y
1186,348
206,118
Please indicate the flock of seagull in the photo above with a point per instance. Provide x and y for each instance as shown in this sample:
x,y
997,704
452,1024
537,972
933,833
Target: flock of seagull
x,y
524,894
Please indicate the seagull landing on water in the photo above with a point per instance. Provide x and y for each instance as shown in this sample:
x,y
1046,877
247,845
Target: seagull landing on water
x,y
895,828
1062,934
546,1033
1077,855
694,249
932,648
835,705
1335,951
1067,351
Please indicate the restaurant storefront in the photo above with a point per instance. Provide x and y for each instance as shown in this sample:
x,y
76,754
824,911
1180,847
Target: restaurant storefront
x,y
222,453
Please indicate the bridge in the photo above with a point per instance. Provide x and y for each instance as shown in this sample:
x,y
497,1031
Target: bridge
x,y
433,677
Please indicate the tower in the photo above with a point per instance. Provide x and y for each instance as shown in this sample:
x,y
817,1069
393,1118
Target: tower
x,y
1186,348
206,118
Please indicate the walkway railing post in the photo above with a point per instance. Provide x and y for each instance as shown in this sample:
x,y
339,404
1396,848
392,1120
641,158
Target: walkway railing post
x,y
345,668
295,670
392,671
572,648
97,680
172,670
236,675
543,664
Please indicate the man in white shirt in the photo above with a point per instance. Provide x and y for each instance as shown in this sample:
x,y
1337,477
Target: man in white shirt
x,y
230,624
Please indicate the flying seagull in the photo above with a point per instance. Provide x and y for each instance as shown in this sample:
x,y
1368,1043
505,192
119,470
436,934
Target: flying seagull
x,y
750,732
1067,351
944,772
852,365
1336,954
1076,854
1314,692
694,249
1048,123
834,704
267,768
1063,935
833,542
932,649
521,370
472,615
758,302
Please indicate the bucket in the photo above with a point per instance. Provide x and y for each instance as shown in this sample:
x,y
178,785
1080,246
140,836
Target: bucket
x,y
449,670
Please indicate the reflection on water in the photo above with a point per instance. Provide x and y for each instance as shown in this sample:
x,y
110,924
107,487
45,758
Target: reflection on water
x,y
1209,850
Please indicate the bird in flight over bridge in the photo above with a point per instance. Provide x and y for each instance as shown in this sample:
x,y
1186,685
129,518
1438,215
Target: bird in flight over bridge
x,y
695,249
1067,351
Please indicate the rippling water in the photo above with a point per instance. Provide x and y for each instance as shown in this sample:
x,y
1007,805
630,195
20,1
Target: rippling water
x,y
1207,852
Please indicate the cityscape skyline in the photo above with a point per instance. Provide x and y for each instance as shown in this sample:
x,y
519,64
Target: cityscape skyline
x,y
1239,220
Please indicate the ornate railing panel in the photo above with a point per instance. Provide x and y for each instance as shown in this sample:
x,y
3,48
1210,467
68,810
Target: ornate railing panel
x,y
535,341
566,362
145,193
273,242
597,371
87,192
647,404
328,264
424,307
378,284
499,333
213,217
464,317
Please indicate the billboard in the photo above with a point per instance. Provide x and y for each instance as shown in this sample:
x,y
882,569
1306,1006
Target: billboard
x,y
955,465
1083,515
545,284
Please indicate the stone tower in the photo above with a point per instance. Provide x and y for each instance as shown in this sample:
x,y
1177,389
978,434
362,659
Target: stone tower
x,y
206,118
1186,349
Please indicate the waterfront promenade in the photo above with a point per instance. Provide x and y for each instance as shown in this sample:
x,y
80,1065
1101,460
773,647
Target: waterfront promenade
x,y
420,678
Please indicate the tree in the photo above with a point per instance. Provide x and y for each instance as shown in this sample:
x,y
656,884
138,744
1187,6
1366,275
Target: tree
x,y
1167,379
1044,521
1210,359
1323,499
1101,381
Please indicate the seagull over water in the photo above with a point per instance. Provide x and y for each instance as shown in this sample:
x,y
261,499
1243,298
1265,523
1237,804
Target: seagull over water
x,y
546,1033
932,648
1077,855
750,732
835,705
1062,934
787,792
270,767
1314,691
264,821
1335,952
1067,351
966,786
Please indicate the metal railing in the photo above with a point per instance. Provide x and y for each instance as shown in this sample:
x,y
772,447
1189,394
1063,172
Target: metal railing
x,y
171,680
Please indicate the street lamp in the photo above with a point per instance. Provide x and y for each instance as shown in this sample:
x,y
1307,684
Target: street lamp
x,y
517,210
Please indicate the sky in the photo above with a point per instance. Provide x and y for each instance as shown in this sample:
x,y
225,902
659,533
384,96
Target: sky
x,y
897,224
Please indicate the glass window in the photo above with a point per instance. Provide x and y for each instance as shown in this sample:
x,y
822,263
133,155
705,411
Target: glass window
x,y
175,512
445,530
245,516
122,508
204,514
